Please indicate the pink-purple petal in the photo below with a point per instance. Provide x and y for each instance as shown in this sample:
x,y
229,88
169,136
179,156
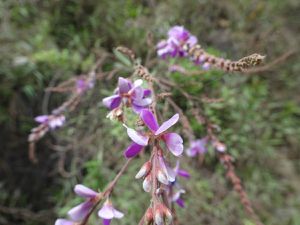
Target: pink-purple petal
x,y
191,152
63,222
149,119
133,150
106,222
183,173
84,191
136,108
167,124
112,102
106,212
142,102
124,85
137,137
42,119
80,211
117,213
174,143
180,202
147,93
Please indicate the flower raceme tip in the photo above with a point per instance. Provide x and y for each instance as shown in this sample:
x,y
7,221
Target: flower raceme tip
x,y
52,121
198,146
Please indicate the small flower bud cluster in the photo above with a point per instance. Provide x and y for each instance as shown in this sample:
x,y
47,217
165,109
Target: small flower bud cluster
x,y
199,146
57,117
47,122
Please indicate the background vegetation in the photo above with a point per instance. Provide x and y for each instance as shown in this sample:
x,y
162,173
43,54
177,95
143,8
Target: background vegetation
x,y
45,42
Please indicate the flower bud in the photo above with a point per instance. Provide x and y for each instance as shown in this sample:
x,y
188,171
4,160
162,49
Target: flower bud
x,y
159,216
149,216
115,114
162,215
220,147
162,178
147,183
168,216
145,169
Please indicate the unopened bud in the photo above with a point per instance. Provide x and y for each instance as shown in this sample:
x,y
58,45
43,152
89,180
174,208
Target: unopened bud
x,y
220,147
149,216
145,169
115,114
168,216
162,178
159,217
162,215
147,183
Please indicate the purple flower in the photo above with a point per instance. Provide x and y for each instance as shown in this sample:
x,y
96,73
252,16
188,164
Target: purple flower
x,y
82,85
64,222
132,95
197,147
108,212
206,66
173,140
177,199
176,68
81,210
174,45
52,121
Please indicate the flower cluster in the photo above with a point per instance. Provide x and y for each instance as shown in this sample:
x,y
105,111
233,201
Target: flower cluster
x,y
82,85
178,37
158,176
52,121
181,43
199,146
79,212
156,172
129,94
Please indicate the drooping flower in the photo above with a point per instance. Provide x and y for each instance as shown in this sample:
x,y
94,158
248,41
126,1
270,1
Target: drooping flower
x,y
108,212
174,189
52,121
132,95
197,147
81,210
173,141
178,36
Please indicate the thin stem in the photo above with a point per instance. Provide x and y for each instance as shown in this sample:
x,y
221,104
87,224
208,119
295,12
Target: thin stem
x,y
106,192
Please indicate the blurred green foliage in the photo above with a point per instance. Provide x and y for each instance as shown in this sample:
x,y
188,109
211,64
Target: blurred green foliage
x,y
49,41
